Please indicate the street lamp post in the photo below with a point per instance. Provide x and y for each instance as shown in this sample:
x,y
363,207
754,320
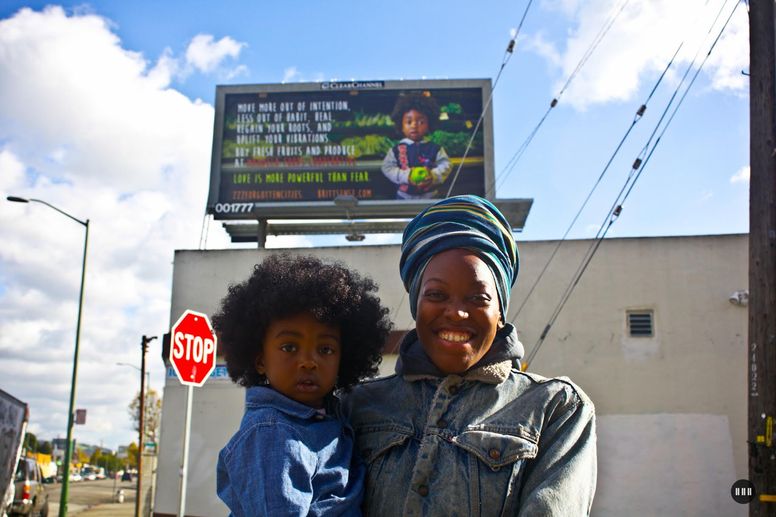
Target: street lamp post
x,y
71,411
147,373
141,424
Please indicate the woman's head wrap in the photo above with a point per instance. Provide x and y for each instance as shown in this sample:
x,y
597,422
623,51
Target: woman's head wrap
x,y
468,222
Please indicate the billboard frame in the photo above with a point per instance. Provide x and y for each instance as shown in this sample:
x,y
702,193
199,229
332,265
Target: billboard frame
x,y
324,209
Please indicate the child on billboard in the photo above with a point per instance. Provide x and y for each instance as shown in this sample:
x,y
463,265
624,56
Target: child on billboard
x,y
418,167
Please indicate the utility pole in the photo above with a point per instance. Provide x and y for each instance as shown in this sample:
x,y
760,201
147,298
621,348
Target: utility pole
x,y
762,258
141,423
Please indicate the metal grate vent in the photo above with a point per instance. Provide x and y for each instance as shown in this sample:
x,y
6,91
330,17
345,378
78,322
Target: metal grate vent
x,y
640,324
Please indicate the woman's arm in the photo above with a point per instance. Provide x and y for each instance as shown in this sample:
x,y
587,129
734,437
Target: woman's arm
x,y
561,479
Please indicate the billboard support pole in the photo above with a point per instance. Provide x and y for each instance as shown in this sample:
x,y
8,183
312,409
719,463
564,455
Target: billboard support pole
x,y
261,233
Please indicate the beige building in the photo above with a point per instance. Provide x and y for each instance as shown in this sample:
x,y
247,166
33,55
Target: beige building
x,y
650,333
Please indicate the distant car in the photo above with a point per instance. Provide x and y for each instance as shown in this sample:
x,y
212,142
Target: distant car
x,y
30,497
126,476
88,473
75,476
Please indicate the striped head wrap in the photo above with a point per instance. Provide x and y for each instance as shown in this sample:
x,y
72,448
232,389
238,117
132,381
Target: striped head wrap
x,y
468,222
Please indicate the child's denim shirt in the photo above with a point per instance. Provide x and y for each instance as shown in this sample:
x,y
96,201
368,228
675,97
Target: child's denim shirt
x,y
289,459
493,441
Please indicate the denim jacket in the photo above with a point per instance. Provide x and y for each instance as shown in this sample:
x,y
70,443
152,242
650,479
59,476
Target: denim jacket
x,y
289,459
492,441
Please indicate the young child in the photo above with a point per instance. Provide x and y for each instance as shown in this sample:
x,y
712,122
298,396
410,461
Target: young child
x,y
417,167
292,333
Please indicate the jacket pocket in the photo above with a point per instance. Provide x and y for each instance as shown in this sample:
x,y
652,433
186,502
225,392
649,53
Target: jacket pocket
x,y
496,449
385,450
374,440
495,467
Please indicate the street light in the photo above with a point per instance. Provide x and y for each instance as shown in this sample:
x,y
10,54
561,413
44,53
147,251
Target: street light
x,y
141,413
69,447
147,374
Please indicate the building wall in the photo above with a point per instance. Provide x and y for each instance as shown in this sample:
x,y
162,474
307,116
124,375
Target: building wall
x,y
671,408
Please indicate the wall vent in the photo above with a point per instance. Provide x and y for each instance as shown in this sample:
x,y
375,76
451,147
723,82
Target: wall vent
x,y
640,323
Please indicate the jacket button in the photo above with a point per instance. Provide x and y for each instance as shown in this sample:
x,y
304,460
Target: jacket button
x,y
423,490
494,454
453,390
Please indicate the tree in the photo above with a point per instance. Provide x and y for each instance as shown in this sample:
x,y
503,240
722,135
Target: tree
x,y
132,450
152,414
80,456
31,442
94,459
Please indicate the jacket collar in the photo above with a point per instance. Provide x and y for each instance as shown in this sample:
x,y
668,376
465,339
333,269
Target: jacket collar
x,y
257,396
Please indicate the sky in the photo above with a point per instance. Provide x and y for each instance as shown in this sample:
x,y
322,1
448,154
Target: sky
x,y
106,112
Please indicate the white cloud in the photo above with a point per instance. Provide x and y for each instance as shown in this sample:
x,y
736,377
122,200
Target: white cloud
x,y
289,74
640,44
205,54
742,176
93,129
731,56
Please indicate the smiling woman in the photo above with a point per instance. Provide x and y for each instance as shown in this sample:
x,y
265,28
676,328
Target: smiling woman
x,y
460,429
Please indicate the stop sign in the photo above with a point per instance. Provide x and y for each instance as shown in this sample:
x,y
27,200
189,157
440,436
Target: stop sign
x,y
193,348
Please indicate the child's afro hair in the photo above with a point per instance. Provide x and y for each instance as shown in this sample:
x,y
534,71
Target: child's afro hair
x,y
284,285
418,102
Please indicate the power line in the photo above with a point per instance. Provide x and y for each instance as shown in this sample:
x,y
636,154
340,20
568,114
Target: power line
x,y
504,60
507,170
507,56
204,231
636,118
622,196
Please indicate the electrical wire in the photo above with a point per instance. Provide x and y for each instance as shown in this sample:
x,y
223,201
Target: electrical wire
x,y
504,60
630,183
513,161
639,113
507,56
203,232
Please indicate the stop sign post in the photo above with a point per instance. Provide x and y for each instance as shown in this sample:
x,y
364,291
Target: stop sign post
x,y
193,357
193,348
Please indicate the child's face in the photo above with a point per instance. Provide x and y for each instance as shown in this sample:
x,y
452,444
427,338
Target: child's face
x,y
414,125
301,358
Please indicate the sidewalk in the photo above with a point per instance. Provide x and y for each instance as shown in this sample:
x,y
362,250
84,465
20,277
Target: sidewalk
x,y
125,509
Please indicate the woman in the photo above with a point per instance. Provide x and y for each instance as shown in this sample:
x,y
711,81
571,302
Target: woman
x,y
458,430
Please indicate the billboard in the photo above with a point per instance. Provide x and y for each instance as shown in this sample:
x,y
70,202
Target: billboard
x,y
388,141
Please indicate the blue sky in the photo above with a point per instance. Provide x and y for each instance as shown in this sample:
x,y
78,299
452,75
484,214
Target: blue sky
x,y
106,110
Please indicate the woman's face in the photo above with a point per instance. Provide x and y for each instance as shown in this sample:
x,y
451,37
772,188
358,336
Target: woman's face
x,y
458,311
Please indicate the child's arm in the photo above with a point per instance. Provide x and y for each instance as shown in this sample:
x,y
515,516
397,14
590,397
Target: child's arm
x,y
393,171
441,170
268,471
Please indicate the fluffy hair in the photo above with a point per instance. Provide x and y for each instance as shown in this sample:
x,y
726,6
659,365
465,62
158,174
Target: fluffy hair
x,y
283,286
418,102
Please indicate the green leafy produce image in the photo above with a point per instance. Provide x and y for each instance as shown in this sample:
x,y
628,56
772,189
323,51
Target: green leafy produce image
x,y
452,108
455,143
369,145
361,119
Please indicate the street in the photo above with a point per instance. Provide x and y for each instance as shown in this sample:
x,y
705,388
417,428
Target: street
x,y
96,498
